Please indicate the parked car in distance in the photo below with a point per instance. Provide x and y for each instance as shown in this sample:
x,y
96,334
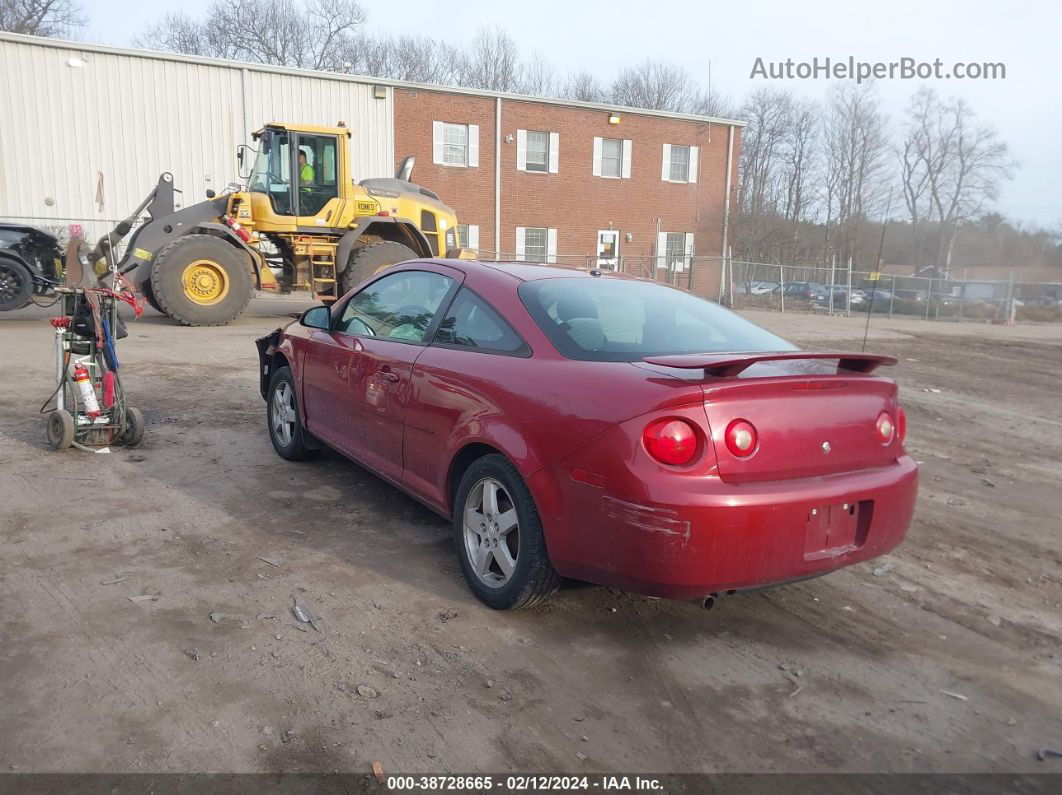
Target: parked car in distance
x,y
590,425
756,287
840,297
809,291
910,295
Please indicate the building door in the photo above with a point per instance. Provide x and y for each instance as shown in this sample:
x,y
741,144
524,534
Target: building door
x,y
608,248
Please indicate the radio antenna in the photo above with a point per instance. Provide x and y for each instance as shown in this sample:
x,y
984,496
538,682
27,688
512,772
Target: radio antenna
x,y
877,270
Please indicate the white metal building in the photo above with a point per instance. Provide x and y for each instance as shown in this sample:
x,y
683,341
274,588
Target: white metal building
x,y
72,112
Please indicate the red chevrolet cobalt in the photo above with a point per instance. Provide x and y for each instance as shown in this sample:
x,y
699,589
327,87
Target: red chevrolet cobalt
x,y
589,425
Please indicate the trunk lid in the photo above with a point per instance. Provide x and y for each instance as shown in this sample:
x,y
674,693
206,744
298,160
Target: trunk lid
x,y
811,418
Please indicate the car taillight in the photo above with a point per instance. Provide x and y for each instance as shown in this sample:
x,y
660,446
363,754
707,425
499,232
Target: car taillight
x,y
886,428
741,438
901,423
670,441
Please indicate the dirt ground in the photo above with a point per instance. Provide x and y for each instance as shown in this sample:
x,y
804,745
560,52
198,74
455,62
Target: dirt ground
x,y
944,656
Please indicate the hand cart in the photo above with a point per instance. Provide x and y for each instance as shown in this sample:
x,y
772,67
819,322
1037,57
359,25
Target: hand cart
x,y
91,411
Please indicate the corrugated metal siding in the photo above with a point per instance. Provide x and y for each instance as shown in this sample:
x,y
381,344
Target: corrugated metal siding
x,y
132,117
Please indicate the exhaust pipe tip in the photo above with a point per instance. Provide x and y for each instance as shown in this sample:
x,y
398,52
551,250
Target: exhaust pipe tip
x,y
708,603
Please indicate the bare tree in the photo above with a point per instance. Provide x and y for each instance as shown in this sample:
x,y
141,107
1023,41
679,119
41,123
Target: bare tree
x,y
950,166
656,85
855,148
583,87
768,112
418,59
491,62
719,106
799,159
315,35
918,159
41,17
538,78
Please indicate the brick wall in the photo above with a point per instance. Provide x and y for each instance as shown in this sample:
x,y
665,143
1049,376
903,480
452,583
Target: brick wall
x,y
573,201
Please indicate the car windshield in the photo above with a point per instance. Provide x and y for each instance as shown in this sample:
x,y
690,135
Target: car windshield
x,y
618,320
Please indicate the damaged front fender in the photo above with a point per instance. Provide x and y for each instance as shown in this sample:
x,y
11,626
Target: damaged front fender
x,y
267,346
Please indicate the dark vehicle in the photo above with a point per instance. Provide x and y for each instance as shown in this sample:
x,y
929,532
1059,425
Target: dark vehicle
x,y
877,297
29,259
809,291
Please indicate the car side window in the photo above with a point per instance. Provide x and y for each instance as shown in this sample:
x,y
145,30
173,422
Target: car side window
x,y
472,323
400,306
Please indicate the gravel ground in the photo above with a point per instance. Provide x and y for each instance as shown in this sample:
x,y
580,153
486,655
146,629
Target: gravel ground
x,y
944,656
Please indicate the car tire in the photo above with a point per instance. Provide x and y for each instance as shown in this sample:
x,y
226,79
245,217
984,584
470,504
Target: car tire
x,y
478,535
286,433
16,285
201,280
369,260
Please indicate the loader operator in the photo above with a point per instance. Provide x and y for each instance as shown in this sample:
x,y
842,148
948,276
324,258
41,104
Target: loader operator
x,y
306,172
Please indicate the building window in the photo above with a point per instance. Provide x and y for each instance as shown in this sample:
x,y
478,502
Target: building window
x,y
674,250
611,157
455,144
676,247
680,164
537,150
535,243
468,236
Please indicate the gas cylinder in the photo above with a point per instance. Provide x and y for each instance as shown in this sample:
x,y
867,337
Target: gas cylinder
x,y
88,394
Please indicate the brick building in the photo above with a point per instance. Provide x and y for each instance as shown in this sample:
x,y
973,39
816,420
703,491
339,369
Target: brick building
x,y
556,181
538,178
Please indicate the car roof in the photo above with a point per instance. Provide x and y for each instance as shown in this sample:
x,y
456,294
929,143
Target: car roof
x,y
531,271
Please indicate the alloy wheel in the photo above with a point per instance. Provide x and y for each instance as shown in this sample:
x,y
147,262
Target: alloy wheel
x,y
492,533
282,413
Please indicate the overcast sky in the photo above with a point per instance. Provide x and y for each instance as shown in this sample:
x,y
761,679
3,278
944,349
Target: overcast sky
x,y
1026,107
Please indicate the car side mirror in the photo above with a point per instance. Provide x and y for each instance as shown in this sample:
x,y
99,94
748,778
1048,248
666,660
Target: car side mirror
x,y
317,317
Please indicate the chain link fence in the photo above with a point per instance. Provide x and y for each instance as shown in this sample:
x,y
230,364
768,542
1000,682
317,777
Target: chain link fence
x,y
836,290
844,290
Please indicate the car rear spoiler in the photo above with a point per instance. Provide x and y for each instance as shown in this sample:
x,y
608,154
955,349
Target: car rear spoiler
x,y
731,364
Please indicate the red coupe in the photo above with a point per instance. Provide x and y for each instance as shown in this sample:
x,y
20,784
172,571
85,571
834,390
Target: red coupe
x,y
589,425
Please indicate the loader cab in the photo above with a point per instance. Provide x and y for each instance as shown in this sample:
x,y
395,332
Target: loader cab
x,y
296,178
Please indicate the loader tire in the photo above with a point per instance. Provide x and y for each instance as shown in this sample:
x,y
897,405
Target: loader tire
x,y
149,296
200,280
369,260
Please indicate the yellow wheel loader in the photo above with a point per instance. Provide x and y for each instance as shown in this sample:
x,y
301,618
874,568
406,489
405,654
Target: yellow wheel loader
x,y
299,223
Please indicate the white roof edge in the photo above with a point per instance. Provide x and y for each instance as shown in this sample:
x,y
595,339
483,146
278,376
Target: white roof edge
x,y
63,44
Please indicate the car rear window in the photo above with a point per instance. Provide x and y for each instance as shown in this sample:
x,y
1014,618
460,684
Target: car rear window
x,y
616,320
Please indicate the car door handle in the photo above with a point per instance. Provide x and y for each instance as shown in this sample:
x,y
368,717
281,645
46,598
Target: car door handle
x,y
389,376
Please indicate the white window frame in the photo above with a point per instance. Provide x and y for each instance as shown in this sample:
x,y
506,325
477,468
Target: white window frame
x,y
626,145
550,254
552,164
663,260
471,235
691,165
439,144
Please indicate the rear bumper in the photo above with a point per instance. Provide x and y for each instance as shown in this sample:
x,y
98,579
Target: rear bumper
x,y
706,536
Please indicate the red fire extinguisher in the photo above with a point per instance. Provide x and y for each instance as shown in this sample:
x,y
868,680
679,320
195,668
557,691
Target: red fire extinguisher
x,y
88,394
